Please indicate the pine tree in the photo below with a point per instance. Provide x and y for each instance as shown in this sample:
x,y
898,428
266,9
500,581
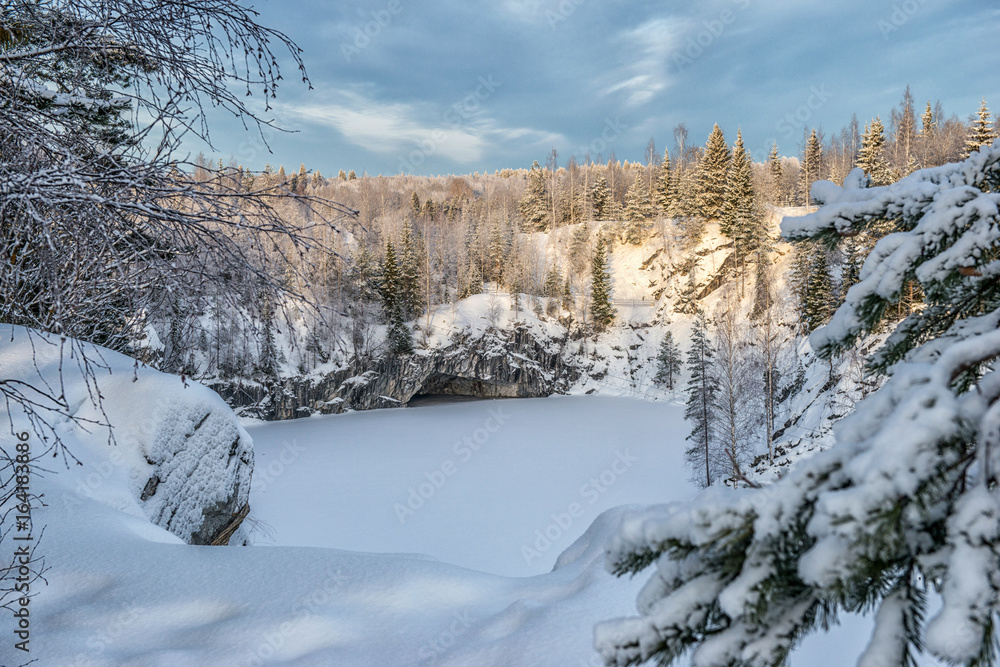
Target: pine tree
x,y
742,217
981,132
713,174
819,294
600,289
534,207
351,175
905,505
700,411
812,165
398,338
410,298
638,209
342,175
266,369
777,175
853,259
872,157
666,186
567,295
415,204
668,362
600,196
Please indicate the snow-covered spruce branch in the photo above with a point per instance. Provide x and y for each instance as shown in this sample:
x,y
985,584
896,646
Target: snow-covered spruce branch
x,y
906,504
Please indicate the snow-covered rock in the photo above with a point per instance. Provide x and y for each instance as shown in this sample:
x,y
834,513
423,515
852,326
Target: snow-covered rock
x,y
173,444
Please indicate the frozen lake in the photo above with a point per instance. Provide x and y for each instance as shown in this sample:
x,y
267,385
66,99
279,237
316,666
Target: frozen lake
x,y
499,486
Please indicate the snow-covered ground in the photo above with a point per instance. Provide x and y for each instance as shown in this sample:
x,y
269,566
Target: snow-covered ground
x,y
500,486
123,592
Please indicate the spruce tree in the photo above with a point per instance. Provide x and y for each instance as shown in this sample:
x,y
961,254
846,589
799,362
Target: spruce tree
x,y
777,175
666,186
700,411
668,362
819,294
981,131
398,338
812,165
713,175
266,369
871,159
415,204
900,519
638,209
600,196
742,217
410,298
853,259
535,207
600,289
579,248
567,295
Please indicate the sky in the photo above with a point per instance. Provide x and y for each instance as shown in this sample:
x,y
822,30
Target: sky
x,y
455,87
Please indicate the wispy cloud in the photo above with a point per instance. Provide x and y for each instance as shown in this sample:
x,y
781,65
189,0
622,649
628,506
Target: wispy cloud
x,y
454,133
646,72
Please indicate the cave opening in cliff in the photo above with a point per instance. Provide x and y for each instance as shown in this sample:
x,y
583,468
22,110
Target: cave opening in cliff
x,y
443,388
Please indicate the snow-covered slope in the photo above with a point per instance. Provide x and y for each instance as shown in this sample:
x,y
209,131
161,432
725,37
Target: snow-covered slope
x,y
176,454
124,592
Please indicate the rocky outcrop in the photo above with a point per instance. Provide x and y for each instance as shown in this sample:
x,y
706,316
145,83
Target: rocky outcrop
x,y
515,363
201,459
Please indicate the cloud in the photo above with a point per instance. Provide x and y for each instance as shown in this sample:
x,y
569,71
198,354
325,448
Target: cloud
x,y
645,72
392,128
462,132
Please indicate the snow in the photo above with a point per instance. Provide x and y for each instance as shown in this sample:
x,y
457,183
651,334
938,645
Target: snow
x,y
528,475
122,591
460,534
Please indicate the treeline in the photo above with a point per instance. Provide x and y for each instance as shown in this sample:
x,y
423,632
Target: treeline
x,y
453,236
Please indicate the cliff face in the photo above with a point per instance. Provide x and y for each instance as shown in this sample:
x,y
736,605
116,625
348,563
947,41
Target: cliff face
x,y
513,363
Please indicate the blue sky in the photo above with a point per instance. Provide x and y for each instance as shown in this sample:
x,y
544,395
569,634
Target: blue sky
x,y
455,87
